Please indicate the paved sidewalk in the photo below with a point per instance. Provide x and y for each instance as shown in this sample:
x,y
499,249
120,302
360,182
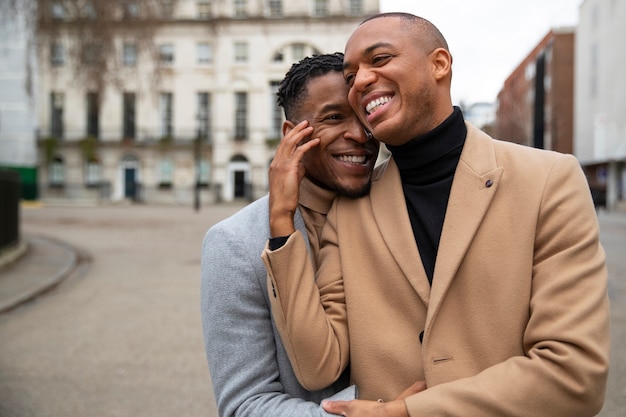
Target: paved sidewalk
x,y
44,264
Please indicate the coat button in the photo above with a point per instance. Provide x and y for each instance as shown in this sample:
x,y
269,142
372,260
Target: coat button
x,y
489,183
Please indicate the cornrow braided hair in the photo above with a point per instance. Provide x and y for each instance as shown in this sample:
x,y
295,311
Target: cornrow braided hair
x,y
293,88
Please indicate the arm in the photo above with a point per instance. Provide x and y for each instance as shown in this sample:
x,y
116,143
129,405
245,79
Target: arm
x,y
239,336
315,343
566,342
311,318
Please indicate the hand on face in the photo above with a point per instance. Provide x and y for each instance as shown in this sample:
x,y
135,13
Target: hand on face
x,y
285,174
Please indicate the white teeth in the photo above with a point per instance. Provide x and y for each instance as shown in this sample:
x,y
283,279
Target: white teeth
x,y
373,105
352,159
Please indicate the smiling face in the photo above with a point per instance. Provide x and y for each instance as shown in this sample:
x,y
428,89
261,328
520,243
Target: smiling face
x,y
399,78
345,157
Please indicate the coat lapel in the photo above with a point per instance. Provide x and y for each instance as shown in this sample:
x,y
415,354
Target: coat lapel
x,y
392,218
475,183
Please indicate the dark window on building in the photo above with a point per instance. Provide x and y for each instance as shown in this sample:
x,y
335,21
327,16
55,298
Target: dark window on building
x,y
128,109
167,115
276,124
129,54
56,114
204,115
241,115
93,114
276,8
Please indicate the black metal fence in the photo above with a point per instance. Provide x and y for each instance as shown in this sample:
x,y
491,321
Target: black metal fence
x,y
10,193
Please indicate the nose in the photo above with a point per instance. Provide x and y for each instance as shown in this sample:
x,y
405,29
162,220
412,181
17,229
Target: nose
x,y
362,79
356,132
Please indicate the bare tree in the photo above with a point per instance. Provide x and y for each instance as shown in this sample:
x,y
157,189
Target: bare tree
x,y
90,30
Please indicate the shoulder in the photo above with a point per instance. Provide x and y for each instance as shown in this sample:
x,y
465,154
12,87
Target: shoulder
x,y
253,218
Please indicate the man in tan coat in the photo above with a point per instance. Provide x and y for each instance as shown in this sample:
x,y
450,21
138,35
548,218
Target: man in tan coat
x,y
473,264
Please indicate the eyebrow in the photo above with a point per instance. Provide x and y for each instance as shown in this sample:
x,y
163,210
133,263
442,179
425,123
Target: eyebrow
x,y
369,50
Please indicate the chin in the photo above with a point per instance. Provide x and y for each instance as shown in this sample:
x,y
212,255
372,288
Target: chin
x,y
355,191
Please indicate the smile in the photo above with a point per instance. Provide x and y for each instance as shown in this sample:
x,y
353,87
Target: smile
x,y
374,105
352,159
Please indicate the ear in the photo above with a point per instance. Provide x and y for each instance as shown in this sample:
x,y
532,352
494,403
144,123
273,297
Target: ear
x,y
442,61
287,126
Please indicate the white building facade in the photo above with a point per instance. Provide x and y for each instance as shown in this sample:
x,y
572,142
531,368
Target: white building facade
x,y
600,98
206,128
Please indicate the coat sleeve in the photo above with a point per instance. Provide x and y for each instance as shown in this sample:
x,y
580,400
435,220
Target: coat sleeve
x,y
238,333
566,341
310,315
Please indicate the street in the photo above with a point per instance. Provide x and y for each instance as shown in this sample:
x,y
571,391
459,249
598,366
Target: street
x,y
122,335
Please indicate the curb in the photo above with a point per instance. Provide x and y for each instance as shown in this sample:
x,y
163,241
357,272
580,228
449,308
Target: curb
x,y
29,287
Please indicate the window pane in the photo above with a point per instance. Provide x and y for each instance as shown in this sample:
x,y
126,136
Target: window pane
x,y
205,53
56,114
320,8
57,54
241,8
241,52
276,8
167,128
130,54
241,115
204,115
203,10
276,123
166,53
129,116
93,115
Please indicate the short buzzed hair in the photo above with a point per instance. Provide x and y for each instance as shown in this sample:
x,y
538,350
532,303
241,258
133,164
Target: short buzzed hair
x,y
423,26
292,90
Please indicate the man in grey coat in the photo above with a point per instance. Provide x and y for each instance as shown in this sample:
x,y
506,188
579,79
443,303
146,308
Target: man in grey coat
x,y
326,144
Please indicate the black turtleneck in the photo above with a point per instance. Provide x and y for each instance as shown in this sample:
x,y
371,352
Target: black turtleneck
x,y
427,164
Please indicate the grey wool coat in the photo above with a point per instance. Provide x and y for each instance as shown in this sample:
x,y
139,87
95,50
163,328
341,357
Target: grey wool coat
x,y
250,371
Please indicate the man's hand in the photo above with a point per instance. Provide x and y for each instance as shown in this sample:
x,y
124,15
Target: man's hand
x,y
285,174
360,408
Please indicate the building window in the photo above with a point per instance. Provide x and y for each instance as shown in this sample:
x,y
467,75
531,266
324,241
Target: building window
x,y
276,124
90,11
56,172
241,8
57,54
166,173
92,54
93,110
204,115
166,54
129,55
320,8
56,114
166,9
205,173
203,10
93,173
279,56
241,115
57,10
241,52
128,109
356,7
298,51
130,9
166,111
276,8
205,53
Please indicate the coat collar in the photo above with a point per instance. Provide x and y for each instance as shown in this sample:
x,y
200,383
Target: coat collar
x,y
475,182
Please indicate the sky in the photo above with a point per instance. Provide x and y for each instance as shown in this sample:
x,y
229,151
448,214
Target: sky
x,y
488,39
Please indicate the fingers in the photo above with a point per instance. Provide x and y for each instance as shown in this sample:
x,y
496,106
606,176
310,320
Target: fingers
x,y
295,141
335,407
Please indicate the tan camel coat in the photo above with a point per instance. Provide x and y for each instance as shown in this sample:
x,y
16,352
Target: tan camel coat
x,y
516,321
